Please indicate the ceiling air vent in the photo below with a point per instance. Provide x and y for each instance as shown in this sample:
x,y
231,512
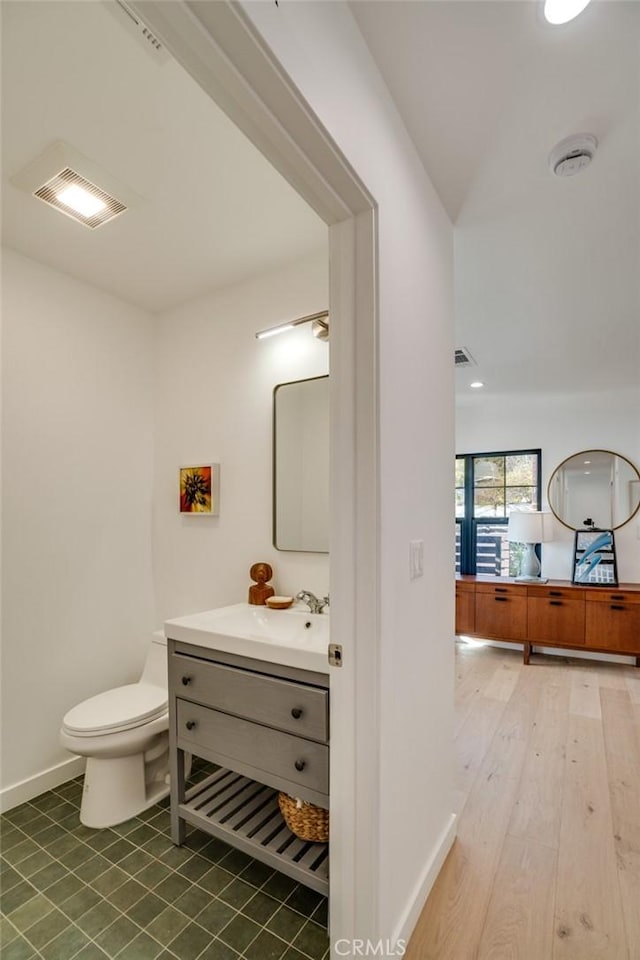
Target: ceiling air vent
x,y
463,358
68,181
79,198
125,15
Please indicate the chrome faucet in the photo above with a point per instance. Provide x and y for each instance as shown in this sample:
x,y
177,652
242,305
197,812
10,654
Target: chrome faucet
x,y
314,603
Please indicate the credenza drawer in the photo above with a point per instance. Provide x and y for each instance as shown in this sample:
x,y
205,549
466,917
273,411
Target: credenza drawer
x,y
613,626
502,589
253,745
501,616
464,586
613,596
555,593
294,707
556,620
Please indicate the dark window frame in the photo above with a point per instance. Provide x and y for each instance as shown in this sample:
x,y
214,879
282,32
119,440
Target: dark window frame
x,y
468,524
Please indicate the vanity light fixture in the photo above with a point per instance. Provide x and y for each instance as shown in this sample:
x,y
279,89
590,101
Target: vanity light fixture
x,y
319,326
476,385
562,11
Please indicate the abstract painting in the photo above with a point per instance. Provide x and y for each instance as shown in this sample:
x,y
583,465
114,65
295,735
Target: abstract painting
x,y
200,489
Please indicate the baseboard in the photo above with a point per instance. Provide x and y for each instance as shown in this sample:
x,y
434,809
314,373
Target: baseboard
x,y
573,653
421,891
25,790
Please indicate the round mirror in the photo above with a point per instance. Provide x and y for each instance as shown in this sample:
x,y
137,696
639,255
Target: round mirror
x,y
596,486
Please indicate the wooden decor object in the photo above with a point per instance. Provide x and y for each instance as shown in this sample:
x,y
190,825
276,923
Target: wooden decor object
x,y
260,590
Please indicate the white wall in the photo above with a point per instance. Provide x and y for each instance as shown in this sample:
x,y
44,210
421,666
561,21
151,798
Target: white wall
x,y
77,490
91,531
321,49
214,403
560,426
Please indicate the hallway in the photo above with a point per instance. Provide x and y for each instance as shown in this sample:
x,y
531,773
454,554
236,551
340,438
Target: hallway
x,y
547,861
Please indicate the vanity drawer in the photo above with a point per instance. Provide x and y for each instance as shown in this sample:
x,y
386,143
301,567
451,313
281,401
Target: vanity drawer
x,y
261,748
294,707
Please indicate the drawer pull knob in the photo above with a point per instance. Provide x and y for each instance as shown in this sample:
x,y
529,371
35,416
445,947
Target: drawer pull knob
x,y
555,603
613,597
501,599
300,765
296,713
190,724
555,593
186,681
617,606
500,589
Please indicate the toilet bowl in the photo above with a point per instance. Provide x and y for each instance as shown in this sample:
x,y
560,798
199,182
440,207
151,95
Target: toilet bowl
x,y
124,735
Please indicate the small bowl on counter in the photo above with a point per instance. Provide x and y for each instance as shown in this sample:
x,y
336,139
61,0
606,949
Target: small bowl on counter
x,y
279,603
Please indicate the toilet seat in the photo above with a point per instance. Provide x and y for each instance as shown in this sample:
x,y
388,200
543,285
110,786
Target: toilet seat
x,y
122,708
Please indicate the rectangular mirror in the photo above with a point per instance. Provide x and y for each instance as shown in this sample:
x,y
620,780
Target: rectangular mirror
x,y
301,465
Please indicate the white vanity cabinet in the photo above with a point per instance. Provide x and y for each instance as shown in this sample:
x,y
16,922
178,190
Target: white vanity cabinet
x,y
267,726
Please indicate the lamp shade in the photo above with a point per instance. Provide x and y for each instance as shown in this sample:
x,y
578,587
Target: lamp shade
x,y
527,527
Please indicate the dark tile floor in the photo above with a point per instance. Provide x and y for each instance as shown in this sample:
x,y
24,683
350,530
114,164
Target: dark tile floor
x,y
71,893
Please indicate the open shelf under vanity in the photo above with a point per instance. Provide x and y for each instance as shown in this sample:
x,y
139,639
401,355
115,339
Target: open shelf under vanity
x,y
246,815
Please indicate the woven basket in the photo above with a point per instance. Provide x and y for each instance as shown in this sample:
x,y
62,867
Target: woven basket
x,y
307,821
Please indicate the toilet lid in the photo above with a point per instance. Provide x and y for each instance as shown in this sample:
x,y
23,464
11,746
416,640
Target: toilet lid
x,y
119,709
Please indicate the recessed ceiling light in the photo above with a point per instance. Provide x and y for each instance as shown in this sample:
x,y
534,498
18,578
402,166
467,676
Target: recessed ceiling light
x,y
587,461
476,385
561,11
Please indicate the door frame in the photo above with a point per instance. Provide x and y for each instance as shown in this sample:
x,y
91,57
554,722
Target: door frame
x,y
218,45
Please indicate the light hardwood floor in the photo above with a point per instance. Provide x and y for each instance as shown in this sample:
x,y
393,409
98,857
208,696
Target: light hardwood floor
x,y
546,865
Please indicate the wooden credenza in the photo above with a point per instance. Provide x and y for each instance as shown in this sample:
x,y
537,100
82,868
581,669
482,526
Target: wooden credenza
x,y
552,614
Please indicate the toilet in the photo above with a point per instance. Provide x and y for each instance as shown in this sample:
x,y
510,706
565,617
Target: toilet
x,y
124,734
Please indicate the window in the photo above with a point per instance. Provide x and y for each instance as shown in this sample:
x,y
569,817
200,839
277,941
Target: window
x,y
488,487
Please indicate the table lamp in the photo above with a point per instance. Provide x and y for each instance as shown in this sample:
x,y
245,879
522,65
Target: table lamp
x,y
528,528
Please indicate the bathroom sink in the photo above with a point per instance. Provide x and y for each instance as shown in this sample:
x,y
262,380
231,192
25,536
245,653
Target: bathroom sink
x,y
292,637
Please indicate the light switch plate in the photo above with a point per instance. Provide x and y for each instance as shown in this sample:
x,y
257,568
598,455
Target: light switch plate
x,y
416,559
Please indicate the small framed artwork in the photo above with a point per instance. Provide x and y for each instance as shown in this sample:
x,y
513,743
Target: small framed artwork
x,y
594,558
200,490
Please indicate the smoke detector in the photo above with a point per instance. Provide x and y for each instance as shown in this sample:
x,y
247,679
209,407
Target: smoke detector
x,y
572,154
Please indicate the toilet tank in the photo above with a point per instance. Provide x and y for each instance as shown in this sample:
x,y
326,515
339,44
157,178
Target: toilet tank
x,y
155,666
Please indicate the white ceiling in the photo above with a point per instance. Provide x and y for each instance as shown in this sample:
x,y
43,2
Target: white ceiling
x,y
547,270
213,211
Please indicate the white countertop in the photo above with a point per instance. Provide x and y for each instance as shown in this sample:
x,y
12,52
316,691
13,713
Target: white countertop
x,y
294,637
